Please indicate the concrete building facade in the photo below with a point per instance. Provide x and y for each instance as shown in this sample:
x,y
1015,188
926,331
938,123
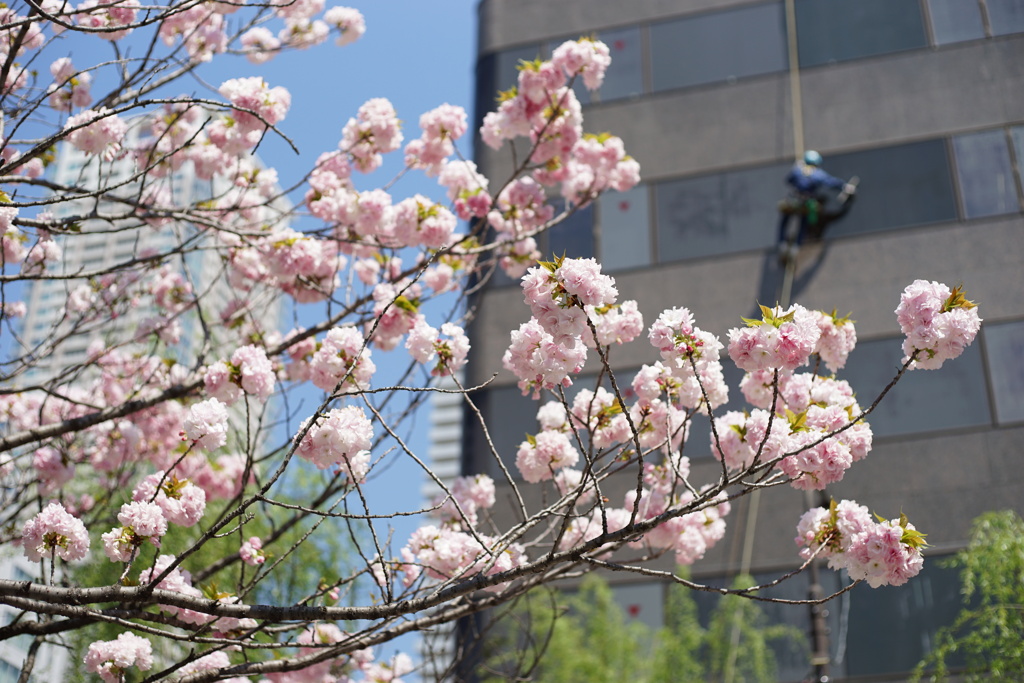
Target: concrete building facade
x,y
924,101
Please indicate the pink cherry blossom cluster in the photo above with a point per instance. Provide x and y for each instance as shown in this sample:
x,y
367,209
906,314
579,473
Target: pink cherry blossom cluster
x,y
200,27
106,17
689,535
207,424
558,291
781,340
467,188
314,638
98,132
691,367
837,340
340,438
540,456
178,580
12,240
141,521
110,659
182,502
544,108
616,324
249,370
601,415
468,496
256,105
343,358
427,346
587,57
441,553
814,437
54,469
539,361
54,530
70,88
251,552
374,131
939,323
441,127
418,221
395,311
884,553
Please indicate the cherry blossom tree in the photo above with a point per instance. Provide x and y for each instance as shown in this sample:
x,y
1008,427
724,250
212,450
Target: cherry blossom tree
x,y
161,455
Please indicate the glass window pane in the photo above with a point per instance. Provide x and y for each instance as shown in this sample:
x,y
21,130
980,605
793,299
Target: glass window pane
x,y
839,30
1017,138
625,229
900,186
573,237
719,46
955,20
718,214
891,628
1006,16
923,400
509,416
624,77
987,187
1005,346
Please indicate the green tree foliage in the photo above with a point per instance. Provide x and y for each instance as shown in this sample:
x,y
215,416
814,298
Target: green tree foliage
x,y
739,640
590,640
988,634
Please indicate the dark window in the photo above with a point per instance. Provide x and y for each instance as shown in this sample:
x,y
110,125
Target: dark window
x,y
900,186
624,77
718,47
573,237
987,186
1005,346
509,416
839,30
1006,16
1017,138
923,400
719,214
625,229
954,21
890,628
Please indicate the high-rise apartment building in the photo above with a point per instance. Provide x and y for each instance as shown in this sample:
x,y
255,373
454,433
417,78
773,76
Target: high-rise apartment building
x,y
924,101
101,245
54,342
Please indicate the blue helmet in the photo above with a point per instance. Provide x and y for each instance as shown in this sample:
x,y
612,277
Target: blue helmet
x,y
812,158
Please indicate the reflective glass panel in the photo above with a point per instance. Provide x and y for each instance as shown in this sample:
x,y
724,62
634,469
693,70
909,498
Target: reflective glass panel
x,y
900,186
1005,347
987,186
839,30
1006,16
625,229
922,401
954,21
719,46
891,628
719,214
573,237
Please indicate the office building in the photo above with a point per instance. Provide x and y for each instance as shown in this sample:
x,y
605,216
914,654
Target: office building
x,y
923,100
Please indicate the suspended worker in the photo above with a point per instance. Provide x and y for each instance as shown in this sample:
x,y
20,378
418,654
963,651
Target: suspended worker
x,y
807,180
